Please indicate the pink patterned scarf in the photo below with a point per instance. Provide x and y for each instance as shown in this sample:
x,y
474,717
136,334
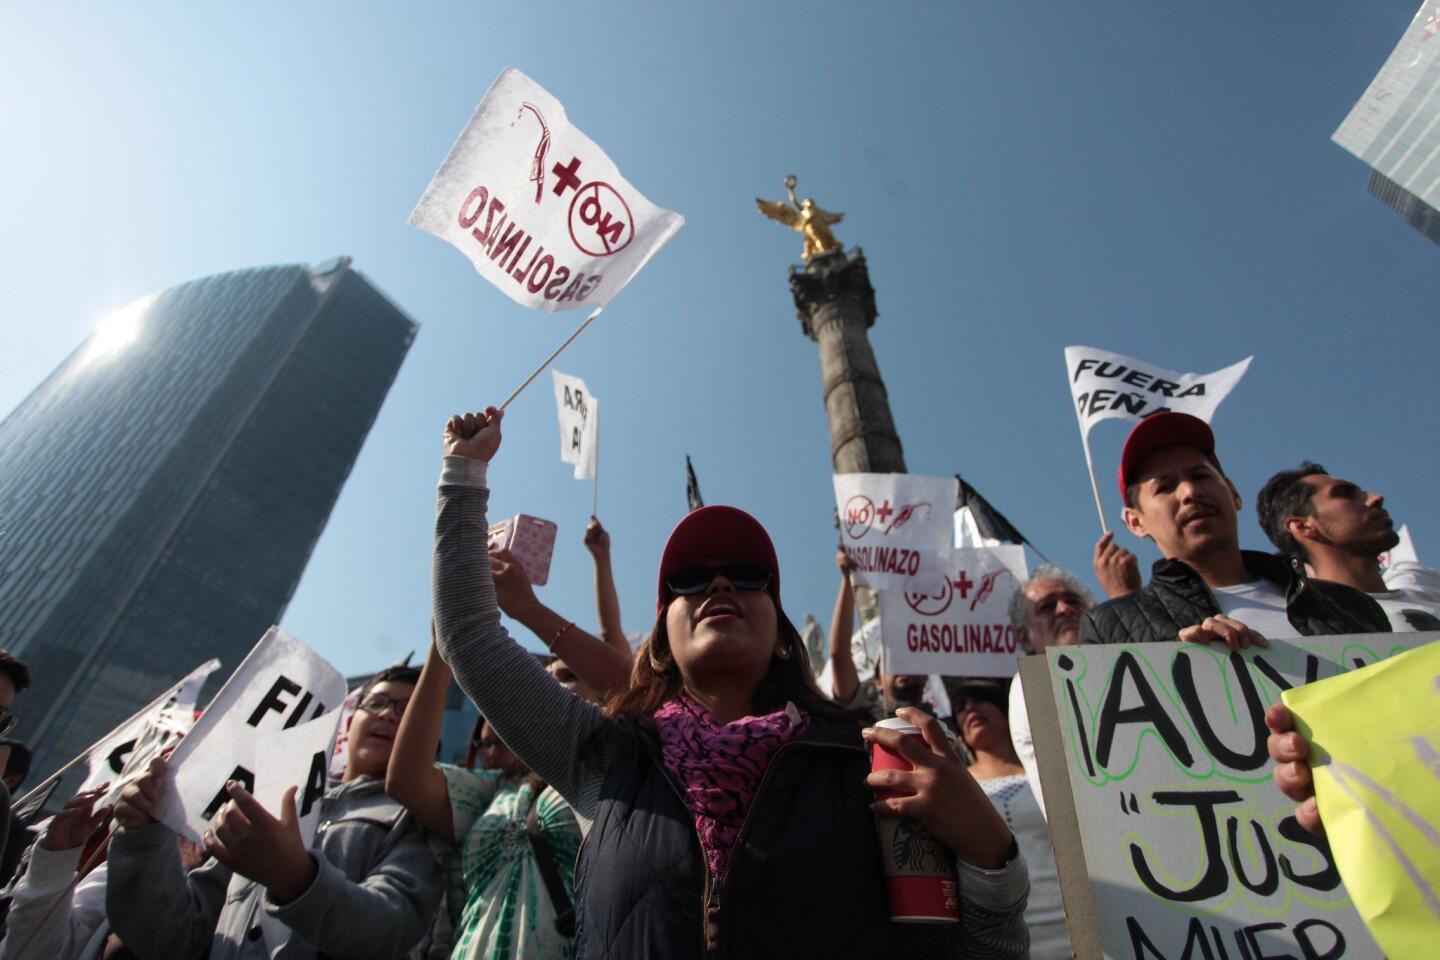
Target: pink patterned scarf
x,y
719,766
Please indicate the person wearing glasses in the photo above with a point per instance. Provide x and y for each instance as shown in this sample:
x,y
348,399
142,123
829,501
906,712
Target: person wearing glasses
x,y
728,805
504,900
367,888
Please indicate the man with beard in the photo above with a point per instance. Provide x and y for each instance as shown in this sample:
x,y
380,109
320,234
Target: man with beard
x,y
1206,588
1338,530
1046,612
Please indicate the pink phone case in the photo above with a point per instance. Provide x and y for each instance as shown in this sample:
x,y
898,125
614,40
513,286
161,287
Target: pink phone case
x,y
530,539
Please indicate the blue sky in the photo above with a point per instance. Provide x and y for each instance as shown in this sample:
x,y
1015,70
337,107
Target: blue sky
x,y
1153,179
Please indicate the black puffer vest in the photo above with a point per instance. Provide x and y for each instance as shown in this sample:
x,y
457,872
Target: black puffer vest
x,y
804,881
1176,598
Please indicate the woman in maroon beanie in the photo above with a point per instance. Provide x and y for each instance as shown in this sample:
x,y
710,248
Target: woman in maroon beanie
x,y
728,806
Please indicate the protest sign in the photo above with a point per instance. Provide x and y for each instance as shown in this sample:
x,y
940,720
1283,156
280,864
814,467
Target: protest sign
x,y
127,751
962,626
1107,385
895,528
270,727
579,412
1170,838
1375,756
537,206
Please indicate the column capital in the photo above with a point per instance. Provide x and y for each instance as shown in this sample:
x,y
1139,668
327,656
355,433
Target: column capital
x,y
828,278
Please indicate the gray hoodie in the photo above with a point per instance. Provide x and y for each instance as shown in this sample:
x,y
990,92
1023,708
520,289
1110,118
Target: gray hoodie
x,y
374,893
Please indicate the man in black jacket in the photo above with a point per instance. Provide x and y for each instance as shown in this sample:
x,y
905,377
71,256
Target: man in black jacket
x,y
1206,588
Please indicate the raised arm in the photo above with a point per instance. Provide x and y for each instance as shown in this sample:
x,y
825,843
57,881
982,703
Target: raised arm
x,y
412,777
541,722
607,601
599,665
844,678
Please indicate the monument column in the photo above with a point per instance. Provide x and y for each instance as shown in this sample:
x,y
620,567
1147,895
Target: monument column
x,y
836,305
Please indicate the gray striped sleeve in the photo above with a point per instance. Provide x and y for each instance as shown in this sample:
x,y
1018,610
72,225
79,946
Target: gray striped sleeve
x,y
541,722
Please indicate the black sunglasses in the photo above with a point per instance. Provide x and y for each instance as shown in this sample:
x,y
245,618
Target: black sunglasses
x,y
693,580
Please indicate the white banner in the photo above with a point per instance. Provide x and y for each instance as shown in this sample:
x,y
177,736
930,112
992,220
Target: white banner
x,y
537,206
961,628
270,727
967,531
127,751
579,412
1107,385
895,527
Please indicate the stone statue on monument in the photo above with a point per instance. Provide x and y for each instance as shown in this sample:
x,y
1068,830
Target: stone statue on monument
x,y
805,217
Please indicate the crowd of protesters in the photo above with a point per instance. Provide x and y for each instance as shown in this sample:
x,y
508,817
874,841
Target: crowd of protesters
x,y
703,795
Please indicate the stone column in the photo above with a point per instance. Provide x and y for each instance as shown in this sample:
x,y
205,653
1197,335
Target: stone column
x,y
837,306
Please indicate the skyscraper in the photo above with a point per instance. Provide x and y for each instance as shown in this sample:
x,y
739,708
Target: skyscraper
x,y
161,492
1395,126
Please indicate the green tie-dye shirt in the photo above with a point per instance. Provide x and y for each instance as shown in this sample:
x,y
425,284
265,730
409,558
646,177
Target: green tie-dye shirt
x,y
507,914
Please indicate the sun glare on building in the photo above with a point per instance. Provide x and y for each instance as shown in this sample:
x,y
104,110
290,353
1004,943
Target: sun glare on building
x,y
115,331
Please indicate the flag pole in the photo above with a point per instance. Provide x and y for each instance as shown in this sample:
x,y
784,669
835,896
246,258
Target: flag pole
x,y
595,480
1094,487
551,359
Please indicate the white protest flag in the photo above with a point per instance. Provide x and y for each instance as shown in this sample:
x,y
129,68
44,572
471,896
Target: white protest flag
x,y
270,727
961,628
893,526
967,531
128,750
537,206
1105,386
579,412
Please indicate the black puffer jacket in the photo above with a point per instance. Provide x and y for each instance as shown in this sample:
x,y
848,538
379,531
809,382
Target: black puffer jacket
x,y
805,880
1176,598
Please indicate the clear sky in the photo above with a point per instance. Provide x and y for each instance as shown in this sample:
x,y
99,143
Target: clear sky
x,y
1155,179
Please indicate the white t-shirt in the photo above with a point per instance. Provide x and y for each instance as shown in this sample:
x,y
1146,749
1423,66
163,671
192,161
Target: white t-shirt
x,y
1410,610
1024,741
1260,605
1410,576
1044,912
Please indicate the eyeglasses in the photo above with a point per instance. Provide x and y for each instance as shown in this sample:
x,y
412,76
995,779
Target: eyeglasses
x,y
7,721
377,703
693,580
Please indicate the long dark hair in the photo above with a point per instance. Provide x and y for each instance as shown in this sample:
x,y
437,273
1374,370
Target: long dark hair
x,y
655,679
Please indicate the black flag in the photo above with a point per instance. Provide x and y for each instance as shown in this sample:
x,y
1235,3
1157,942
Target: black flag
x,y
991,522
692,486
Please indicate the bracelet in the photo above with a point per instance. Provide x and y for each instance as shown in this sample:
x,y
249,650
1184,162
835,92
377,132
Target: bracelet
x,y
560,633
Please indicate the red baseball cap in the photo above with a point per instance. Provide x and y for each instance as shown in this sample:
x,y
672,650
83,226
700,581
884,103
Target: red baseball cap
x,y
717,531
1166,429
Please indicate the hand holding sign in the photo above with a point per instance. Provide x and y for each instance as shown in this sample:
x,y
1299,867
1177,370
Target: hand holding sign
x,y
1291,753
139,801
261,847
474,435
1222,629
76,821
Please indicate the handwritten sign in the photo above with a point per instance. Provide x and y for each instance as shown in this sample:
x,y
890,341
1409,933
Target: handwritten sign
x,y
579,413
1375,754
270,727
537,206
1170,837
895,528
1107,385
960,627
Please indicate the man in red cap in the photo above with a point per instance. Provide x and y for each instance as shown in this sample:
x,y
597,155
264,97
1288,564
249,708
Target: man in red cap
x,y
1206,588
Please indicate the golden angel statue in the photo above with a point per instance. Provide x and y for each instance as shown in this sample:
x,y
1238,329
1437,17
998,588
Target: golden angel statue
x,y
805,217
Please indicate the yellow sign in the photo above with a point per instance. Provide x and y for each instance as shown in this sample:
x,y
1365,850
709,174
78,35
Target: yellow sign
x,y
1375,753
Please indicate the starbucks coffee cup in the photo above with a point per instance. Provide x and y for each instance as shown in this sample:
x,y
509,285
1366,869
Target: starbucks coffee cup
x,y
919,871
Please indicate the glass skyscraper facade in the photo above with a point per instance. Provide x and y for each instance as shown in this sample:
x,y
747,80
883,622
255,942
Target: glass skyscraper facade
x,y
1395,126
161,492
